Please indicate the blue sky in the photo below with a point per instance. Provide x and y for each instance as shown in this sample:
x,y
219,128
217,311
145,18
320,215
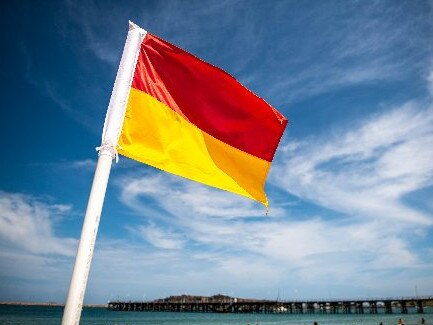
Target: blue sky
x,y
351,212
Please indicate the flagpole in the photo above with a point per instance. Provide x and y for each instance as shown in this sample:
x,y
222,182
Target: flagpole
x,y
107,152
74,302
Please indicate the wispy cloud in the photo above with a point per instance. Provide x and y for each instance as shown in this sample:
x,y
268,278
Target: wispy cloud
x,y
160,237
27,223
359,43
308,248
86,165
175,20
190,197
356,44
31,251
365,170
82,164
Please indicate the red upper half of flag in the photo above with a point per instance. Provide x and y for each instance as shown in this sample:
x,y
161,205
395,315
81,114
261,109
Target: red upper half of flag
x,y
208,97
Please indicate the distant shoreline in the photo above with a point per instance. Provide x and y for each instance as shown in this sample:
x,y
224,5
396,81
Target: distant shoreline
x,y
46,304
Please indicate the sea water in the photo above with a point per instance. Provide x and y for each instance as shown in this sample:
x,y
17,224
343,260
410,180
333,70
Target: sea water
x,y
41,315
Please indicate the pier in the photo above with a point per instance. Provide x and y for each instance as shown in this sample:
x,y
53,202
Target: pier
x,y
224,304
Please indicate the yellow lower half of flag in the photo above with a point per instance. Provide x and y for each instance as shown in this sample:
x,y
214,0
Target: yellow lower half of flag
x,y
156,135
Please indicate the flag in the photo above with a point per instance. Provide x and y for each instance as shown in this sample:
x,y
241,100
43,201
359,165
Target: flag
x,y
192,119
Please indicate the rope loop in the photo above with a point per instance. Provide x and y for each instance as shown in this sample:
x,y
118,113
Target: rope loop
x,y
106,148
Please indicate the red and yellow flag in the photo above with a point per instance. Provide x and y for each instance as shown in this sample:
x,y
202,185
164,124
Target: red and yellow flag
x,y
194,120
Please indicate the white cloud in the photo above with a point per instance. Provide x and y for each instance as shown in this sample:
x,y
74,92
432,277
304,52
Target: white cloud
x,y
160,238
296,244
27,223
83,164
228,257
308,249
31,253
367,170
179,196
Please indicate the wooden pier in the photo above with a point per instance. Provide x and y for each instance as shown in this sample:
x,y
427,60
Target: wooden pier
x,y
234,305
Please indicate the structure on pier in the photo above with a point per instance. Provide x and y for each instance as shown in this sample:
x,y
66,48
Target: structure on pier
x,y
224,304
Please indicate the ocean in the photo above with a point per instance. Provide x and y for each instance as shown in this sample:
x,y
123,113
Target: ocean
x,y
45,315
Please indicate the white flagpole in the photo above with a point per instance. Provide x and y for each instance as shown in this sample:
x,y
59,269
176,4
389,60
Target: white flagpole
x,y
107,152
